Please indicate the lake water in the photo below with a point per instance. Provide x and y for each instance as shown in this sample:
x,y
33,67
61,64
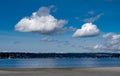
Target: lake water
x,y
59,63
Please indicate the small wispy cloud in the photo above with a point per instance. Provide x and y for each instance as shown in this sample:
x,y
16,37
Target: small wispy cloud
x,y
91,12
93,18
90,17
48,39
57,41
16,42
53,8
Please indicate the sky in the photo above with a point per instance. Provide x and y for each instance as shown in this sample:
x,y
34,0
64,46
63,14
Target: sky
x,y
60,26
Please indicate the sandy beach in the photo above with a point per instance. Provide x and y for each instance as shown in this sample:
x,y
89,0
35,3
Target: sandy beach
x,y
110,71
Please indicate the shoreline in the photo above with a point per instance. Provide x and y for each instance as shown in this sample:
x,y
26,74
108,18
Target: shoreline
x,y
97,71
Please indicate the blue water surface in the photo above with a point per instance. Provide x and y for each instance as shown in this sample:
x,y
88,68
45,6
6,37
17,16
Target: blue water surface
x,y
59,63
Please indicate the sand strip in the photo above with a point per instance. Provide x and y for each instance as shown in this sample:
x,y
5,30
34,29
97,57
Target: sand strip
x,y
110,71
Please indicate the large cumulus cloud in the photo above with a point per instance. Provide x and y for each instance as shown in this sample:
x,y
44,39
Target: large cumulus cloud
x,y
41,22
87,29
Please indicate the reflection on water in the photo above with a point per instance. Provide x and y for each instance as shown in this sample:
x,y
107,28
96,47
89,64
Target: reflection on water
x,y
59,63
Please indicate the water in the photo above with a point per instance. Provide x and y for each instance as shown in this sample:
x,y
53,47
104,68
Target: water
x,y
59,63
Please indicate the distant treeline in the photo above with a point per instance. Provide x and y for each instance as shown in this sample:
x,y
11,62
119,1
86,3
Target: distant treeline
x,y
58,55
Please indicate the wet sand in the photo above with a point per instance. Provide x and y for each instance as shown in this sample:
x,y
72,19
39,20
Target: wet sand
x,y
110,71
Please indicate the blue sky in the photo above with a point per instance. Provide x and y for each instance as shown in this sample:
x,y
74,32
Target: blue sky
x,y
100,20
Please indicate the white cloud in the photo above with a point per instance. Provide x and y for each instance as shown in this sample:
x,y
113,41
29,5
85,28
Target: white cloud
x,y
112,39
111,43
107,47
41,22
112,36
87,29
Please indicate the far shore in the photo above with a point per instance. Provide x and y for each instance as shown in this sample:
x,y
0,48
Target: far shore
x,y
101,71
